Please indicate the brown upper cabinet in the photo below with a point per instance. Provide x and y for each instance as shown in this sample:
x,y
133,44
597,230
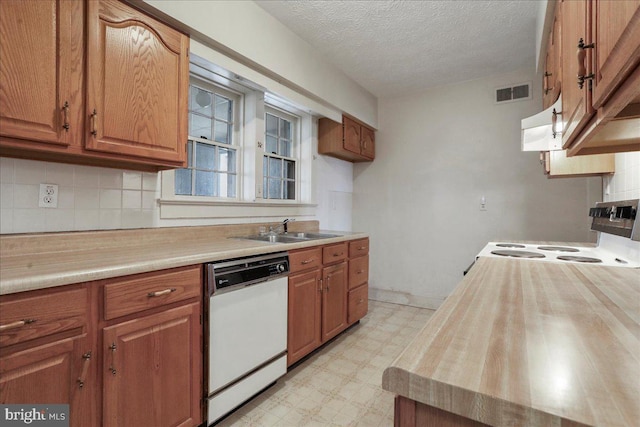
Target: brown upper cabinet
x,y
600,76
133,110
551,83
349,140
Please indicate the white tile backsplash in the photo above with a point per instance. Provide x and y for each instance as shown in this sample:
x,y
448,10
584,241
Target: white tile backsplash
x,y
625,183
89,198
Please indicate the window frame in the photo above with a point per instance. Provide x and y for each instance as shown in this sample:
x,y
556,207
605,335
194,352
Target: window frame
x,y
236,145
295,123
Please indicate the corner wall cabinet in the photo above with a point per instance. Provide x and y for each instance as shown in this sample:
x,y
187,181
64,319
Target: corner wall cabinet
x,y
601,82
124,351
133,110
324,296
349,140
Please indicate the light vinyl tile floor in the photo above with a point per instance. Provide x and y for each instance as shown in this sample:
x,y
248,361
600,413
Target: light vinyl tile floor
x,y
340,385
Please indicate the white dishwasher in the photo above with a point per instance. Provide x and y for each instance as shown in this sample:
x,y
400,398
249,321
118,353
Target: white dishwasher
x,y
247,329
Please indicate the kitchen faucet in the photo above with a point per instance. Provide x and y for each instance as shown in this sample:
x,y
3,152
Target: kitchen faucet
x,y
284,224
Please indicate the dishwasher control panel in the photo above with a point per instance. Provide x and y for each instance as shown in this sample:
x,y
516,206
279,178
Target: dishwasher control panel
x,y
240,272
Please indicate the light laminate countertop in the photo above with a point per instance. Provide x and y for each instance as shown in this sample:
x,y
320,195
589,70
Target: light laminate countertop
x,y
526,343
32,261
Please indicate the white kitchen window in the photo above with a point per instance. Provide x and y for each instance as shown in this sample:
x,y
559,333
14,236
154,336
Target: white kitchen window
x,y
212,152
279,163
249,153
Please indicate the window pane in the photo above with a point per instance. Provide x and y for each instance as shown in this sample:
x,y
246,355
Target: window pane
x,y
272,124
290,190
223,133
274,188
272,145
226,160
183,181
223,108
205,183
200,101
226,185
285,148
189,153
265,187
199,126
275,168
289,169
285,129
205,156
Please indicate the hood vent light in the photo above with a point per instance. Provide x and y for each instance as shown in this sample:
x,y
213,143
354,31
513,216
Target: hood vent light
x,y
542,132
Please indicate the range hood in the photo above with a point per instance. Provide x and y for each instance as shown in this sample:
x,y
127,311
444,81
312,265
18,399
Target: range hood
x,y
538,133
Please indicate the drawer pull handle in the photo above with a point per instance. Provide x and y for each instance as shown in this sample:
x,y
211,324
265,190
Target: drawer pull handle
x,y
160,293
360,301
307,261
85,368
338,254
360,271
362,248
16,324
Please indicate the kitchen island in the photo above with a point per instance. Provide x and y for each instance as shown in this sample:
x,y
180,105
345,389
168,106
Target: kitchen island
x,y
525,343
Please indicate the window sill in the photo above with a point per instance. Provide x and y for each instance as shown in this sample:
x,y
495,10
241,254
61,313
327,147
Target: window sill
x,y
189,209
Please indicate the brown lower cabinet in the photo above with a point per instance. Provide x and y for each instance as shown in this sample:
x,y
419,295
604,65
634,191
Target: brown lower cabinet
x,y
322,302
409,413
120,352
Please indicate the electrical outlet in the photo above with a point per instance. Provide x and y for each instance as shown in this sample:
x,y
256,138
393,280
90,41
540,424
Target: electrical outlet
x,y
48,196
483,203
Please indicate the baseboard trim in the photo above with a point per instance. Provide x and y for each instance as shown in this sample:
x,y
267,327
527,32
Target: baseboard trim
x,y
404,298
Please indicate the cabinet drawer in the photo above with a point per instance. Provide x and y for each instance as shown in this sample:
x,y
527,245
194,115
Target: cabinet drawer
x,y
124,296
358,271
358,248
305,260
334,253
38,314
358,303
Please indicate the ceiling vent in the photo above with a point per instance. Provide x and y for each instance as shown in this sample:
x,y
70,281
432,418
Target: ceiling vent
x,y
519,92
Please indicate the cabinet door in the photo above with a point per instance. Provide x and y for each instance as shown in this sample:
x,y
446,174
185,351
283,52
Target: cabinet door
x,y
137,78
51,373
40,69
368,143
351,135
552,67
152,370
616,34
334,300
303,335
576,101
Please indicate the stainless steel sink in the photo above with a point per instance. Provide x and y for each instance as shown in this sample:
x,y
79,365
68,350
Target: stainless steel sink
x,y
290,237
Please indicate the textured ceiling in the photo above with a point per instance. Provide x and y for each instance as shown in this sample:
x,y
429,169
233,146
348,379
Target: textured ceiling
x,y
392,48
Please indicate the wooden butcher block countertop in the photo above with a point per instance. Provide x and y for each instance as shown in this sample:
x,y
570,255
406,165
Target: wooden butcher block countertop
x,y
525,343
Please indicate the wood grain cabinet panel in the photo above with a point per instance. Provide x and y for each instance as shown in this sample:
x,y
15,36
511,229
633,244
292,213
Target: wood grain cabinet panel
x,y
151,370
334,300
307,259
358,271
150,290
46,353
304,310
358,301
334,253
349,140
40,70
137,78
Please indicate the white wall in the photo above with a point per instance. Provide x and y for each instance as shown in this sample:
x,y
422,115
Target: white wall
x,y
252,36
437,154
